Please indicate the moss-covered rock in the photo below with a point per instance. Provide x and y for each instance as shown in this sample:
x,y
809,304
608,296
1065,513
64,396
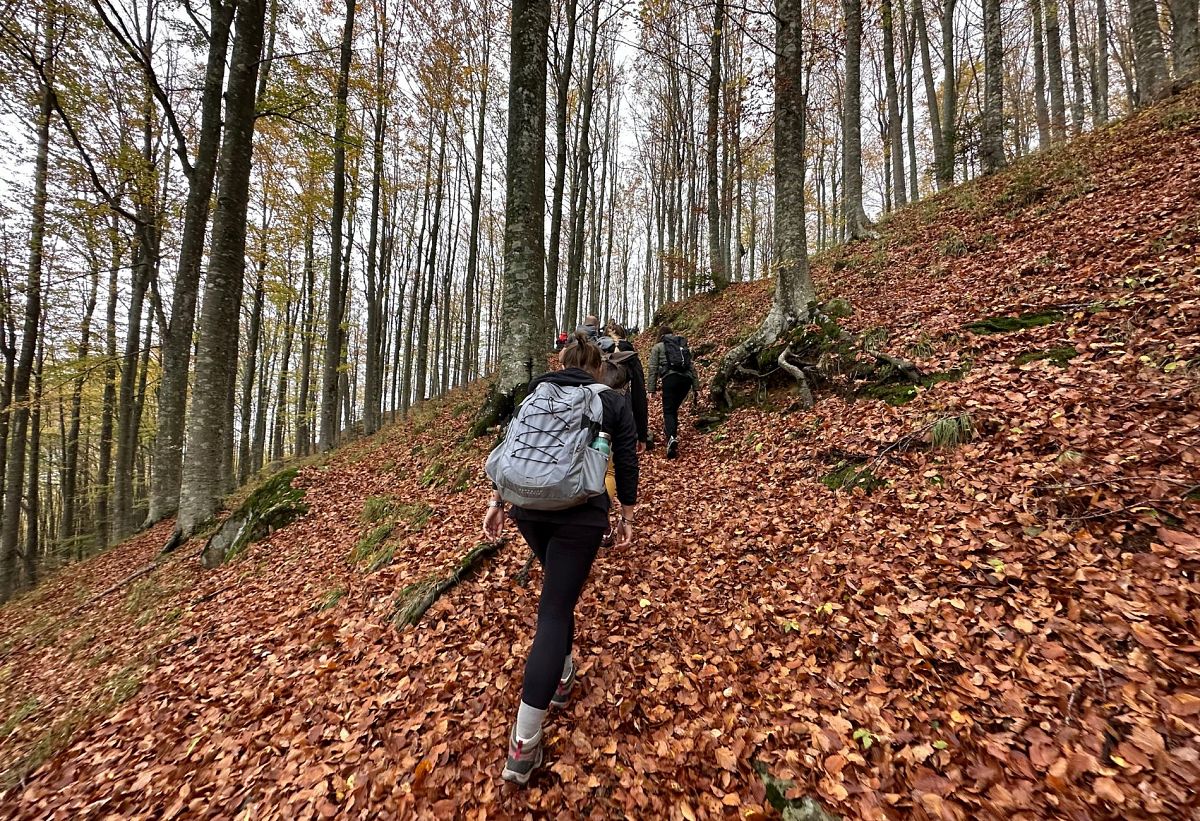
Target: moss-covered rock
x,y
272,505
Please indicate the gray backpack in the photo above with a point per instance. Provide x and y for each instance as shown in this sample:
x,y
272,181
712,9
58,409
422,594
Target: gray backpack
x,y
546,461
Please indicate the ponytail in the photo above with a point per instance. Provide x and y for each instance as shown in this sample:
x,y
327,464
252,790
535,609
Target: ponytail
x,y
581,353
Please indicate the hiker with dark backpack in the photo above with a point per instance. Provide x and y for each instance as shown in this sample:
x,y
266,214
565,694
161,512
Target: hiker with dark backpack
x,y
671,363
550,468
614,341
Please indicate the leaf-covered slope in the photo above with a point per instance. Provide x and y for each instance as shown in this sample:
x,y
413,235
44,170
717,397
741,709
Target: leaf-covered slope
x,y
1002,630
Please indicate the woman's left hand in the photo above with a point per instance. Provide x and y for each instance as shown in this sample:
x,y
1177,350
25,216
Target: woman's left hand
x,y
623,534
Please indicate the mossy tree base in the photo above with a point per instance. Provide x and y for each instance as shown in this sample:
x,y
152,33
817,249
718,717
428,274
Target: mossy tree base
x,y
497,409
814,351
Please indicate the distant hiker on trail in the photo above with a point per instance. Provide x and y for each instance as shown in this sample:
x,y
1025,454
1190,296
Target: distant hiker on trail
x,y
555,482
590,327
614,340
671,362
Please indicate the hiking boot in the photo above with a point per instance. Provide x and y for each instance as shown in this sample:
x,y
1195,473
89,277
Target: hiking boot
x,y
563,694
673,447
523,758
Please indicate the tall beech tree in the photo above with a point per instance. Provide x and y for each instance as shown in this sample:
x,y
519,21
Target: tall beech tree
x,y
216,349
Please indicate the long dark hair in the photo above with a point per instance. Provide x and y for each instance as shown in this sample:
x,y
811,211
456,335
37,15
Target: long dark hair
x,y
581,353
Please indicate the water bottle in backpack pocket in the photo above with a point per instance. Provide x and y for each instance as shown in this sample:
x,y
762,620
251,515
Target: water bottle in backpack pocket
x,y
547,460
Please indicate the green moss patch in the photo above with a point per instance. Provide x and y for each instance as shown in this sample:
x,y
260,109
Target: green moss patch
x,y
1008,324
1058,356
847,475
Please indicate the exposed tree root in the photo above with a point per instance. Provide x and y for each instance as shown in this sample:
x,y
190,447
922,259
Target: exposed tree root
x,y
412,602
774,326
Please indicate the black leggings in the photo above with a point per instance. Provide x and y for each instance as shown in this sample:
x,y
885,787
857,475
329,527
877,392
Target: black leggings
x,y
566,552
675,387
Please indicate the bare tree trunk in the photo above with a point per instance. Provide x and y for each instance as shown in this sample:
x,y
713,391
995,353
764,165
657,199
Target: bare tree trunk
x,y
1076,71
523,290
1185,40
70,473
266,371
909,40
1054,63
949,117
19,414
216,352
991,153
1149,64
8,348
931,97
857,224
334,336
471,331
716,252
250,364
177,342
430,278
794,292
279,427
1040,107
33,500
304,441
894,125
109,400
1101,62
560,169
373,386
575,240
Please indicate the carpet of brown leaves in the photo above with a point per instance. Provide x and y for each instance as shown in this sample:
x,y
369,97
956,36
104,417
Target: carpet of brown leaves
x,y
1003,630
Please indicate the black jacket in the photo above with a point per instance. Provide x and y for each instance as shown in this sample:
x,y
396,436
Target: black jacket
x,y
619,424
637,391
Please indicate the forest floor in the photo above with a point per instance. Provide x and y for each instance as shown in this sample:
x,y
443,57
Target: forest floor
x,y
1003,629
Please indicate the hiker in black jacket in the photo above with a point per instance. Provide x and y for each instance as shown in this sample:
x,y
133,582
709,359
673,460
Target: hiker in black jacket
x,y
677,379
565,543
614,339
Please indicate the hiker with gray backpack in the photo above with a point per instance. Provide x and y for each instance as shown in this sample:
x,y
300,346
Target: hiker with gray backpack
x,y
550,468
671,364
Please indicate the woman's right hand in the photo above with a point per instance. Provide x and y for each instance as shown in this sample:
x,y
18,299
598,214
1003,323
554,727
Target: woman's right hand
x,y
493,523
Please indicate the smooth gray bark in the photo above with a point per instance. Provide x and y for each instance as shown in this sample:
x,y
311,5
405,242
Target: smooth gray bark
x,y
1041,109
525,202
336,302
949,117
216,351
857,224
991,152
177,341
19,415
717,254
1054,65
1149,63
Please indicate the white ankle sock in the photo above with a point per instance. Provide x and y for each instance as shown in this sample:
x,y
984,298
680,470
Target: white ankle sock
x,y
568,666
529,722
